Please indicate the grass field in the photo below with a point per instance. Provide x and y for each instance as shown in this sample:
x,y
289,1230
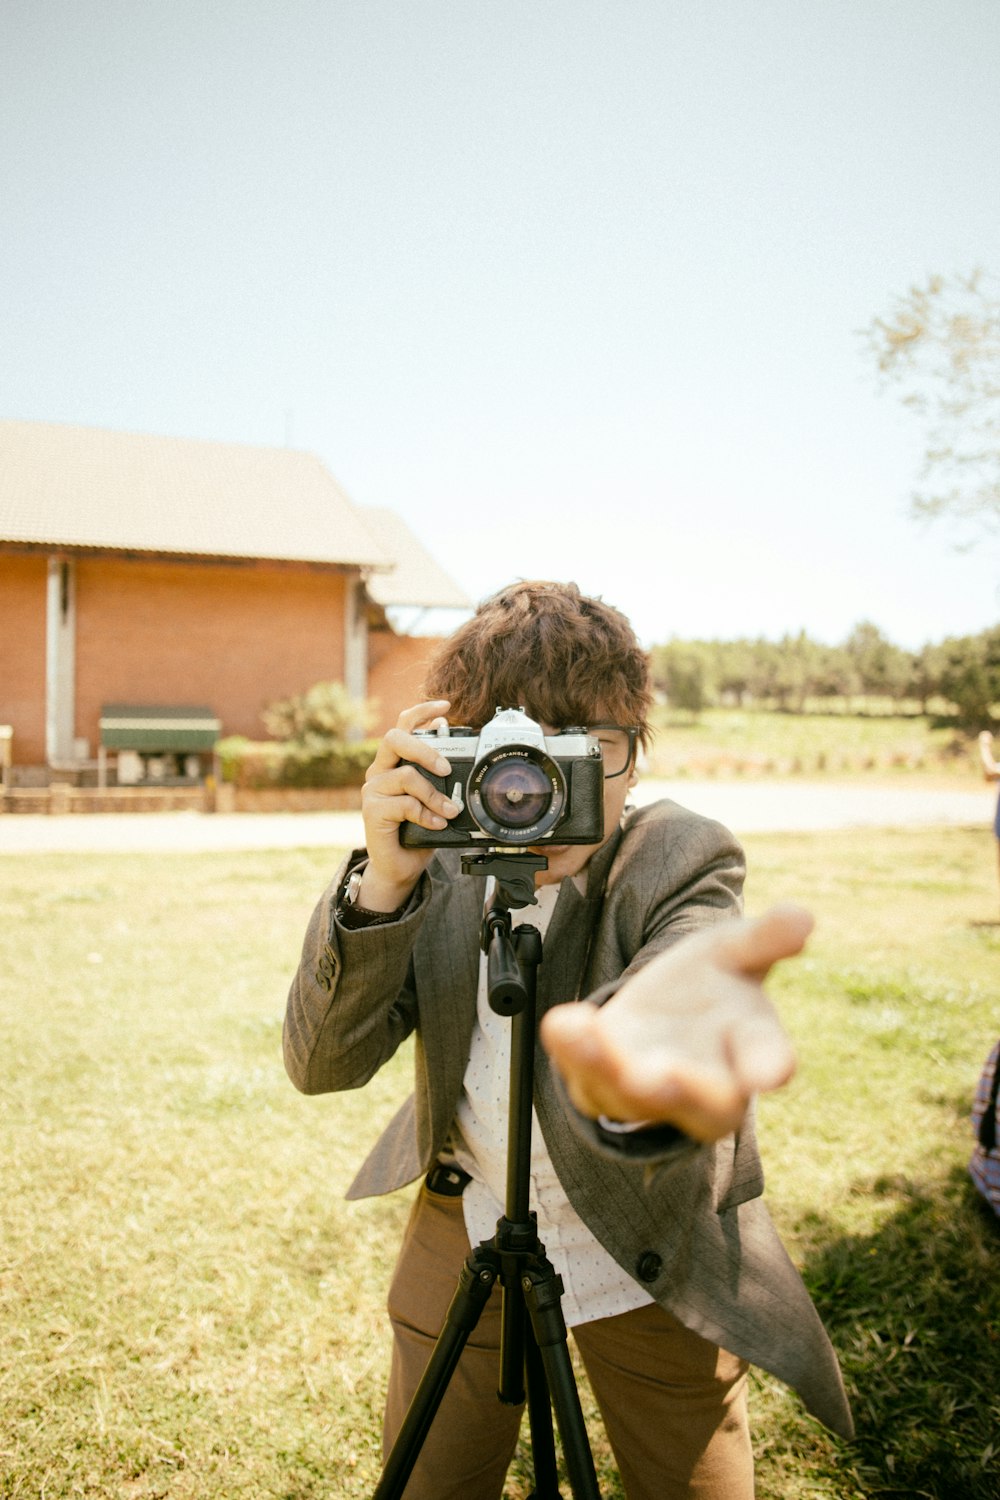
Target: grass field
x,y
188,1308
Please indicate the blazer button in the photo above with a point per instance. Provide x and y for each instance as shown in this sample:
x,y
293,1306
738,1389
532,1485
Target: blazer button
x,y
649,1265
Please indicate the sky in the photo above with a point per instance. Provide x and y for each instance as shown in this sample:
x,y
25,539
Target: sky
x,y
575,287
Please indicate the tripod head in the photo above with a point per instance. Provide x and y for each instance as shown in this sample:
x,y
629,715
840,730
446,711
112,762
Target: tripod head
x,y
514,872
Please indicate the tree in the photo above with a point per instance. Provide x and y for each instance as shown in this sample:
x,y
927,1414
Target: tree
x,y
678,670
796,663
971,676
884,670
941,343
836,674
926,671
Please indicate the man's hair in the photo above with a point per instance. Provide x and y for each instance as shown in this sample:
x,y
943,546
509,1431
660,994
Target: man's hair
x,y
564,657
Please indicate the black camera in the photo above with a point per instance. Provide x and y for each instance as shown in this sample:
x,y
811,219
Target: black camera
x,y
515,786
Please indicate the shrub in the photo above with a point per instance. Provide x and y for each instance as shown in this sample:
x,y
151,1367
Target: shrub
x,y
253,764
312,745
324,714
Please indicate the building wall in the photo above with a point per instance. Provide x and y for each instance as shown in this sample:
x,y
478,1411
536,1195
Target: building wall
x,y
396,668
234,638
22,652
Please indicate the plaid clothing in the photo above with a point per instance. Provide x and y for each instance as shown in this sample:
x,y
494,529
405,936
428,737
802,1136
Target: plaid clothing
x,y
984,1164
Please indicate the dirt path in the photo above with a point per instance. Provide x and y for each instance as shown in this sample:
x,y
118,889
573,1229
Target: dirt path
x,y
745,807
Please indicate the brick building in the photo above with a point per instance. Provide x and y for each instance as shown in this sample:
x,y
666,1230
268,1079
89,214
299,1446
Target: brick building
x,y
174,575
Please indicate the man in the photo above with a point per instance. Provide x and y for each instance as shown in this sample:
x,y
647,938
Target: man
x,y
644,1169
991,772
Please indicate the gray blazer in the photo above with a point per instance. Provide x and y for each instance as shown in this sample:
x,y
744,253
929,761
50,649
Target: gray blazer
x,y
689,1224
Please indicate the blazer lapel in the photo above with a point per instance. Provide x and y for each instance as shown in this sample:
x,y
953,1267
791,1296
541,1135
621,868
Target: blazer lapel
x,y
564,948
572,930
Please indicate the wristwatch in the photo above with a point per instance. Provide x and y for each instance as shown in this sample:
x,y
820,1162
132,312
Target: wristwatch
x,y
351,915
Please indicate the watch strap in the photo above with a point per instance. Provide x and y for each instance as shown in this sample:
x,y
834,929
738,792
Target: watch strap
x,y
352,916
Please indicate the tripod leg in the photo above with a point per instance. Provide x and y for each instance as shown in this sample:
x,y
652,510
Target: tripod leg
x,y
475,1284
543,1444
542,1296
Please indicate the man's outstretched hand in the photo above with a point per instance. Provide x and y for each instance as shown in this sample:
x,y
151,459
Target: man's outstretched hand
x,y
688,1039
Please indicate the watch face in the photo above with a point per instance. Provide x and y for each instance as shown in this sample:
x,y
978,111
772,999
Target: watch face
x,y
353,887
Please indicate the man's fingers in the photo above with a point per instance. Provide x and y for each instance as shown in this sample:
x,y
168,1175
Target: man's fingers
x,y
393,812
402,795
760,1054
399,746
753,947
401,742
577,1050
706,1102
423,715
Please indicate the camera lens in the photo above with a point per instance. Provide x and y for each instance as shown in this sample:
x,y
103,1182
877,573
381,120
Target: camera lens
x,y
516,794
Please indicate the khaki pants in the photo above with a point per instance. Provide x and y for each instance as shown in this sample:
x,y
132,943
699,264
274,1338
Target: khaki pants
x,y
674,1405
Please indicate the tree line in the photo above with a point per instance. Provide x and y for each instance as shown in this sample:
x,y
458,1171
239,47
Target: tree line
x,y
958,677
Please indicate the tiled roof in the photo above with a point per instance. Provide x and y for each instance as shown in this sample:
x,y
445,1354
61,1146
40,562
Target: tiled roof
x,y
416,578
86,487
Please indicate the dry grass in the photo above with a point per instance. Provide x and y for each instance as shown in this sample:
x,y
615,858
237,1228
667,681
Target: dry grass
x,y
188,1308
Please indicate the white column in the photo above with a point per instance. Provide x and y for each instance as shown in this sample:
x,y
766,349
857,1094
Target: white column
x,y
355,640
60,660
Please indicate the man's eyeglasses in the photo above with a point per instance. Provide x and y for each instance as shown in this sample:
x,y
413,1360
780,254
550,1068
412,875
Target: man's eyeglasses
x,y
617,742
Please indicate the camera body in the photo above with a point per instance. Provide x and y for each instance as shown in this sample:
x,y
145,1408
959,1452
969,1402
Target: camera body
x,y
516,786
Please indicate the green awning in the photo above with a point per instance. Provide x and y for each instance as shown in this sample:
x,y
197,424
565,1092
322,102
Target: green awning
x,y
156,729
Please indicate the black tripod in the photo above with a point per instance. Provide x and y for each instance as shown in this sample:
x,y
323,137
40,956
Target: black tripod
x,y
534,1355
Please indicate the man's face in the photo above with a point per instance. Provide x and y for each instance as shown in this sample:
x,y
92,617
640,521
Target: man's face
x,y
570,859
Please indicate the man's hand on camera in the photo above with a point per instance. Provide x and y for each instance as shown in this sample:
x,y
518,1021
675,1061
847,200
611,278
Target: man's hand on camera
x,y
394,794
688,1039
